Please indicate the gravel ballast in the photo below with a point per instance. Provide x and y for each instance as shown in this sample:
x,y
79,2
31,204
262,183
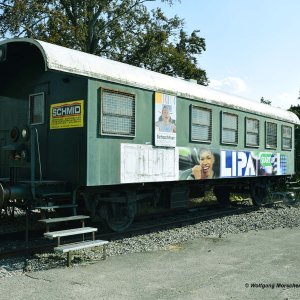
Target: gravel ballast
x,y
262,219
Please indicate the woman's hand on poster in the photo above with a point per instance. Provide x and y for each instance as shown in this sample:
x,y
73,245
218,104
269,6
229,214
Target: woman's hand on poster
x,y
196,171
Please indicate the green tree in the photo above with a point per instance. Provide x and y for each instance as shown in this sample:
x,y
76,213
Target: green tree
x,y
296,110
123,30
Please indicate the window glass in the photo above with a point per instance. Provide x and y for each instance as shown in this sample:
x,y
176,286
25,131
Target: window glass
x,y
118,113
252,132
271,135
37,108
286,137
229,128
201,124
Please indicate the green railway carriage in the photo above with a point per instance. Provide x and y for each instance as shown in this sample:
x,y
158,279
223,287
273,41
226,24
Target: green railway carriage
x,y
114,134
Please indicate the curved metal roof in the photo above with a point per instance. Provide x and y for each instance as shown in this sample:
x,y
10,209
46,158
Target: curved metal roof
x,y
76,62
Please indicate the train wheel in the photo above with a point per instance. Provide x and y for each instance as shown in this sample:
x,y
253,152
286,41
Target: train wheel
x,y
223,196
118,216
259,193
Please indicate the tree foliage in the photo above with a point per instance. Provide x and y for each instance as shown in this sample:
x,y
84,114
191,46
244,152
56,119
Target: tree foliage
x,y
295,109
123,30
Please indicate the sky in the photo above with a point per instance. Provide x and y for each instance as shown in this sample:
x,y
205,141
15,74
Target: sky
x,y
252,46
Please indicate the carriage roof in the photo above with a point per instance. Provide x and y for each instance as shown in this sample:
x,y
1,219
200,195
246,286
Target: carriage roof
x,y
80,63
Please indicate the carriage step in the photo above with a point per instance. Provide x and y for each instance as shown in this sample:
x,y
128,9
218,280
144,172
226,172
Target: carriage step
x,y
63,219
4,179
49,221
38,183
55,195
277,202
56,206
80,245
69,248
69,232
293,188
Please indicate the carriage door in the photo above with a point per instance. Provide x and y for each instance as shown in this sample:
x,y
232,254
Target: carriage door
x,y
2,153
38,125
36,122
13,114
3,133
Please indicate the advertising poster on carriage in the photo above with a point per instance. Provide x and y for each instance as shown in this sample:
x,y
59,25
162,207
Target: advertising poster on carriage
x,y
67,114
165,120
204,163
198,163
252,163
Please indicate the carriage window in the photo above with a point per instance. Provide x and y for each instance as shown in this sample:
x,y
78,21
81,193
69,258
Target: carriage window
x,y
117,113
271,135
229,128
36,108
286,137
252,132
201,124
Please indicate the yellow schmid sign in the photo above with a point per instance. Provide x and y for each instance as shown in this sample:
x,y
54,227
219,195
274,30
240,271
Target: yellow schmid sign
x,y
66,115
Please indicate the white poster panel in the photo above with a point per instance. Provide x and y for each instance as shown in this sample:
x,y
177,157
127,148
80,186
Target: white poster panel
x,y
165,120
145,163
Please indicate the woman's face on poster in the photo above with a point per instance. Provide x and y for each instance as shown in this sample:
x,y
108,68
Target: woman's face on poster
x,y
206,162
166,113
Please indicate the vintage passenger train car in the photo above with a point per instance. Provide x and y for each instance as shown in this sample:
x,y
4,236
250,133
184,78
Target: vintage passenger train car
x,y
113,134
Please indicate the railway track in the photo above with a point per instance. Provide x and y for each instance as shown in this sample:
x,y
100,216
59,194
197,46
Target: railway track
x,y
17,246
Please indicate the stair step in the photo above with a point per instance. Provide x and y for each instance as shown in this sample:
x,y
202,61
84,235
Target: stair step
x,y
294,188
45,182
56,206
80,245
69,232
55,195
63,219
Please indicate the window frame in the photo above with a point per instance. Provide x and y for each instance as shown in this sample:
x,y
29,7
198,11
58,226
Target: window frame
x,y
291,138
43,109
101,132
266,136
247,132
235,143
193,139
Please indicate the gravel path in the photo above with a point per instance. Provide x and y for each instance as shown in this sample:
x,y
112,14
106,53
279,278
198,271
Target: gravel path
x,y
262,219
